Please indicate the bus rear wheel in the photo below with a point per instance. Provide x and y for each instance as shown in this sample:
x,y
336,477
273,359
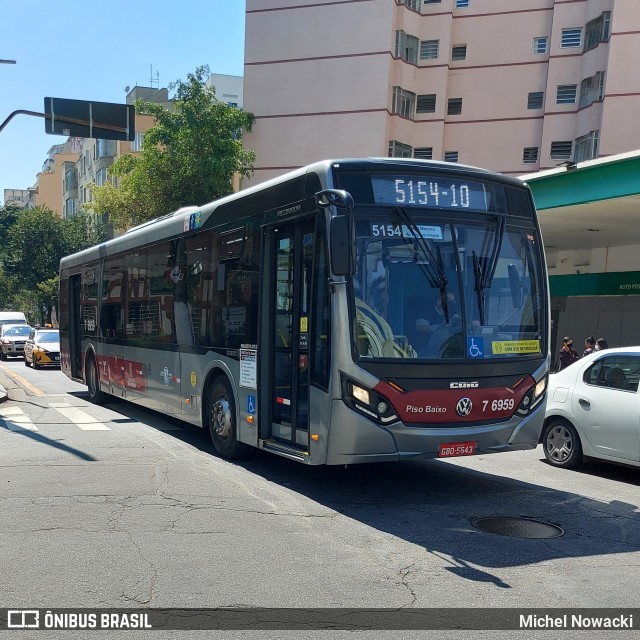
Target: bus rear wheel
x,y
93,382
222,422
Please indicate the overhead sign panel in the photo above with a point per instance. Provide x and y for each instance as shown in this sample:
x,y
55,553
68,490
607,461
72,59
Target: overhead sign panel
x,y
83,119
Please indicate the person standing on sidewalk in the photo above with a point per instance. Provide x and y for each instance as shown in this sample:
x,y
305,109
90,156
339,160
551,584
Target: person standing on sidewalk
x,y
567,355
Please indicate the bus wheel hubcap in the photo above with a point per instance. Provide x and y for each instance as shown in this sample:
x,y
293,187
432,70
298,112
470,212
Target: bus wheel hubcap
x,y
222,418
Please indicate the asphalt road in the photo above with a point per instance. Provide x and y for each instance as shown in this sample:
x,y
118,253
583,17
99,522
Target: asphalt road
x,y
114,506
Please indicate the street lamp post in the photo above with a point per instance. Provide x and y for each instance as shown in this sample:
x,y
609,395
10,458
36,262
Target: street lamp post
x,y
7,62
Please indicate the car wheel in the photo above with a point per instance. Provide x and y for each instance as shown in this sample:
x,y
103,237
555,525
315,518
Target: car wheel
x,y
96,395
221,420
26,360
561,442
3,356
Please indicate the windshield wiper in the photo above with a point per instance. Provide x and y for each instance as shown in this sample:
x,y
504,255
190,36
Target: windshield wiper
x,y
434,268
484,276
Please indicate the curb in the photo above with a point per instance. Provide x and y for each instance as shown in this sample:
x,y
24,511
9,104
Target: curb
x,y
3,394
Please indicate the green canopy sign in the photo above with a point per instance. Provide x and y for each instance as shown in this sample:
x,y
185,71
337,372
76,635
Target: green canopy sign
x,y
622,283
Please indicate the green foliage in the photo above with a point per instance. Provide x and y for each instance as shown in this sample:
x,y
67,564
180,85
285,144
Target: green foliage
x,y
189,156
34,241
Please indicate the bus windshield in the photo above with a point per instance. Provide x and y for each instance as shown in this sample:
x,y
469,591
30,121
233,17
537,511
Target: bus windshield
x,y
429,287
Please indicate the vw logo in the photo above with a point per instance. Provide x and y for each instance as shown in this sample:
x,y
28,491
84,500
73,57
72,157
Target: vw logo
x,y
463,408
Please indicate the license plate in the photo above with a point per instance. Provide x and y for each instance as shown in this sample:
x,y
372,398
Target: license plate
x,y
451,449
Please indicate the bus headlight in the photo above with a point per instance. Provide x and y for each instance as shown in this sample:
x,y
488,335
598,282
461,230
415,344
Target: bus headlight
x,y
367,402
359,393
532,398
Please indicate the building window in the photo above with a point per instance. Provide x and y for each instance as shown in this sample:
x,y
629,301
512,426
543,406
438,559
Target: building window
x,y
535,100
461,4
571,38
429,49
399,150
459,52
592,89
101,177
597,31
451,156
566,94
136,143
432,1
540,45
404,103
426,103
407,47
454,106
105,148
530,155
423,153
586,147
70,180
412,4
561,150
70,206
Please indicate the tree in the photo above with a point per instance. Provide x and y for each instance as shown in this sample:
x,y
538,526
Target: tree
x,y
34,243
189,157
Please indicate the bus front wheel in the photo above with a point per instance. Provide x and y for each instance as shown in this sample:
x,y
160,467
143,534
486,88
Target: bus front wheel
x,y
93,382
221,420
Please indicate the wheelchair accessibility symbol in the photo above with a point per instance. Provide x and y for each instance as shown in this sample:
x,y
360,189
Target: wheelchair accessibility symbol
x,y
475,347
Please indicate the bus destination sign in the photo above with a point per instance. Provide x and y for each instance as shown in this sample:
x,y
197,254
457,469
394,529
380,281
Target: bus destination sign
x,y
437,192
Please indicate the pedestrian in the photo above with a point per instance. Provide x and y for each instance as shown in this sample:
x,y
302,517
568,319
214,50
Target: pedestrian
x,y
589,346
568,355
601,344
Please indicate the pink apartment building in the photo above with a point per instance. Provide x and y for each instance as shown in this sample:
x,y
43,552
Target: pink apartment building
x,y
513,86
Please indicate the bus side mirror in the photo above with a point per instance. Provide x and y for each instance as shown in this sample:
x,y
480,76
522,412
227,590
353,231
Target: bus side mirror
x,y
342,231
342,243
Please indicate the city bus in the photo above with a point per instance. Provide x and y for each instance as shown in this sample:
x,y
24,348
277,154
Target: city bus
x,y
351,311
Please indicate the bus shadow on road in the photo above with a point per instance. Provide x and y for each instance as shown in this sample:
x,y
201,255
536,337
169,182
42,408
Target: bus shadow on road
x,y
433,504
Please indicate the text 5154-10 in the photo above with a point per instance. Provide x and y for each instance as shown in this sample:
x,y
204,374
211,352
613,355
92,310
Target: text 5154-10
x,y
432,194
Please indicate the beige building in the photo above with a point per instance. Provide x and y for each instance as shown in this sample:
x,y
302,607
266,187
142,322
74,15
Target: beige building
x,y
513,87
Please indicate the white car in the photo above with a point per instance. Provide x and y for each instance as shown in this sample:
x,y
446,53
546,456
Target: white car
x,y
12,339
593,410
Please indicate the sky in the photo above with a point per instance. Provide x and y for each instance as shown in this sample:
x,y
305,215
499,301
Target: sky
x,y
87,50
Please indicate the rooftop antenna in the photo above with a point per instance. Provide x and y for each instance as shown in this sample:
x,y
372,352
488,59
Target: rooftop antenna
x,y
154,82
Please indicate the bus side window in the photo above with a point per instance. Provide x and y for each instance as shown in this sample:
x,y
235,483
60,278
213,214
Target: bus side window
x,y
113,291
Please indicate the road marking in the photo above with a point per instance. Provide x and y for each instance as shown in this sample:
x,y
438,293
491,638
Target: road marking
x,y
15,419
9,411
79,417
24,383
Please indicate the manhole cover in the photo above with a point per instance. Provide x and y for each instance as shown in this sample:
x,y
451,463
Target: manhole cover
x,y
518,527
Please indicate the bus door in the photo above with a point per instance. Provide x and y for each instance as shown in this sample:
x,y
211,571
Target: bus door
x,y
292,247
75,349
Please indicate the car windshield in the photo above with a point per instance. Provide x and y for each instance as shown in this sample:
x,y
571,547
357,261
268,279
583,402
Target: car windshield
x,y
18,331
427,288
48,336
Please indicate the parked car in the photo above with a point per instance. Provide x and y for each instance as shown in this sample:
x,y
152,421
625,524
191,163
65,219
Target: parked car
x,y
12,339
593,410
42,348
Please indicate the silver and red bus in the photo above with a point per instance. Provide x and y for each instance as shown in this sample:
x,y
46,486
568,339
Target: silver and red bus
x,y
351,311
